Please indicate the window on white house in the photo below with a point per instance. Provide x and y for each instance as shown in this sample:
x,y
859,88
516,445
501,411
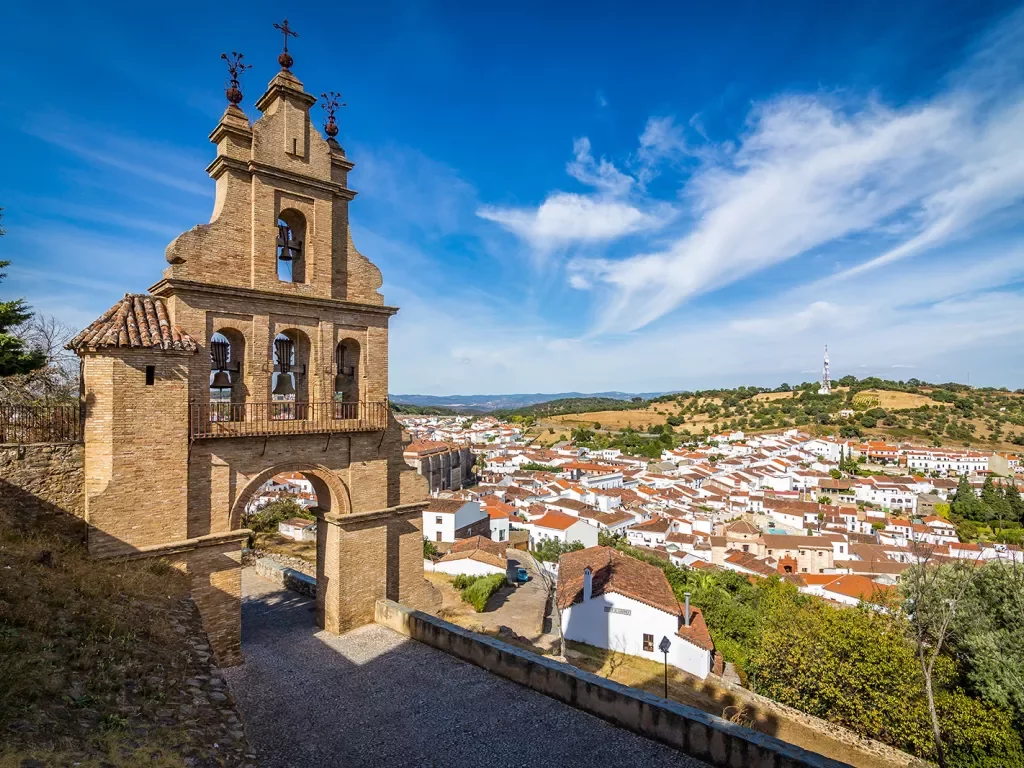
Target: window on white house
x,y
648,642
438,520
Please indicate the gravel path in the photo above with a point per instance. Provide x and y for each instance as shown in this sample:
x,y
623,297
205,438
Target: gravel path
x,y
374,698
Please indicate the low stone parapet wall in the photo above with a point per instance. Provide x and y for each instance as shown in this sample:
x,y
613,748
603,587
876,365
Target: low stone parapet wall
x,y
289,578
689,730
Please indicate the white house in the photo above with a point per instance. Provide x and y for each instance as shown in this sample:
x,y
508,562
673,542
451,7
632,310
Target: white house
x,y
499,515
616,602
298,529
562,528
451,519
651,533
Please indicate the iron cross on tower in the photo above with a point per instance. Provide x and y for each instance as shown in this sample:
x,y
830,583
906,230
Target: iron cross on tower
x,y
285,60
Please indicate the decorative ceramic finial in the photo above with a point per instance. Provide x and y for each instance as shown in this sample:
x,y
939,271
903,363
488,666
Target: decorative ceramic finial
x,y
285,59
235,68
330,105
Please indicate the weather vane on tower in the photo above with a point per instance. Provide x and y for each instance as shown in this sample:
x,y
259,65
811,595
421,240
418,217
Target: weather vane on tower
x,y
330,105
285,59
235,68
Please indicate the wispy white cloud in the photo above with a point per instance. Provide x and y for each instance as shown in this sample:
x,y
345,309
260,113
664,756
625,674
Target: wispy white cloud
x,y
601,174
566,217
143,159
808,171
959,313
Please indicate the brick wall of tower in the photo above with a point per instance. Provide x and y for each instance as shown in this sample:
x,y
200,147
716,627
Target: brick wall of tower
x,y
136,449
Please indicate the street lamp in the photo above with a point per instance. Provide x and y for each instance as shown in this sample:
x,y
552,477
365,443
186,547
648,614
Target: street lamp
x,y
663,646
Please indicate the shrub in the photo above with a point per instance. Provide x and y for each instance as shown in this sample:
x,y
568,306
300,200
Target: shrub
x,y
479,592
462,581
266,519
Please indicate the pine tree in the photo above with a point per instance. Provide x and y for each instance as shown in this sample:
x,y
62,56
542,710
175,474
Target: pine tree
x,y
966,505
15,356
1015,503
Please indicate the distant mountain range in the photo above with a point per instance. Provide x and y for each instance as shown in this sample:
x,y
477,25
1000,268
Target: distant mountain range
x,y
502,402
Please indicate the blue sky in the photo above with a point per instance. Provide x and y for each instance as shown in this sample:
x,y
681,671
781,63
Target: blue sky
x,y
570,196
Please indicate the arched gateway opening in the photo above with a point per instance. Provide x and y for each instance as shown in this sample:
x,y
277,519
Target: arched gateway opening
x,y
356,558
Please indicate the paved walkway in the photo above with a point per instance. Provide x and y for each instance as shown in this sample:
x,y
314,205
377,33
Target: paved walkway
x,y
374,698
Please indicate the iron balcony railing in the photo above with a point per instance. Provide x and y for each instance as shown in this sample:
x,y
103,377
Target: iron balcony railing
x,y
40,424
284,417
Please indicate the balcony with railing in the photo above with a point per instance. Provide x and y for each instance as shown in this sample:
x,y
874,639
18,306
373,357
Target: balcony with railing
x,y
285,417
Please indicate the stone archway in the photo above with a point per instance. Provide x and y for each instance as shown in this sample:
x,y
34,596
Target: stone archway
x,y
332,494
360,556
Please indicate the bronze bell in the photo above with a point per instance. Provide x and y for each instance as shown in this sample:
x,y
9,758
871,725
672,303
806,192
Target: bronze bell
x,y
221,380
283,235
284,385
283,351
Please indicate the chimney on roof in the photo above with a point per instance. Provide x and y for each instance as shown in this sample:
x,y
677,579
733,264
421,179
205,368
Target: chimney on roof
x,y
686,609
588,584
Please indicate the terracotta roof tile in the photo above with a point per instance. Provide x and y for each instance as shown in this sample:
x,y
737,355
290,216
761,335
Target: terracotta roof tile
x,y
697,633
136,321
446,506
613,571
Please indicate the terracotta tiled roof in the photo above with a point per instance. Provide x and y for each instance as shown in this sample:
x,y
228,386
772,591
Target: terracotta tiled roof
x,y
137,321
657,525
697,633
860,587
482,544
612,571
446,506
427,446
742,526
556,521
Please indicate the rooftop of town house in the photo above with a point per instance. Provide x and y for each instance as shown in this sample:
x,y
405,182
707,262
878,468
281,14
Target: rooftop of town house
x,y
774,541
445,506
298,522
555,521
612,571
656,525
425,447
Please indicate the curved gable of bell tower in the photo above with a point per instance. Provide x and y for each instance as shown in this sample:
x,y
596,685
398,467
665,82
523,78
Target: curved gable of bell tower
x,y
277,172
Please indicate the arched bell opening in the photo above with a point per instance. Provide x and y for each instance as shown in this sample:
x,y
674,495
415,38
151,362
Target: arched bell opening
x,y
290,382
291,246
346,379
227,389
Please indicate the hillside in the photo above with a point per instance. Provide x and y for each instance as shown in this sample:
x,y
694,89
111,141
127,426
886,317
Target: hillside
x,y
477,403
949,414
105,664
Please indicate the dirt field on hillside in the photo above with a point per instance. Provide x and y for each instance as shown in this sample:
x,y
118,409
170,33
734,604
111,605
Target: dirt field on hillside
x,y
895,400
640,419
769,396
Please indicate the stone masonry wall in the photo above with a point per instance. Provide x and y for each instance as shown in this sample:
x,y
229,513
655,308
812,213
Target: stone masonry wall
x,y
40,482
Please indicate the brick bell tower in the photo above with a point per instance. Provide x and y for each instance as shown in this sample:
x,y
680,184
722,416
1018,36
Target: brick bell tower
x,y
263,349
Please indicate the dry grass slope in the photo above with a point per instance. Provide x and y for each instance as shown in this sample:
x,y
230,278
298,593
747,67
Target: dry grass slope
x,y
97,663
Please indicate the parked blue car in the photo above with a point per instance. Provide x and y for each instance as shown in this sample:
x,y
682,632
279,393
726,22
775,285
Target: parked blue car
x,y
522,576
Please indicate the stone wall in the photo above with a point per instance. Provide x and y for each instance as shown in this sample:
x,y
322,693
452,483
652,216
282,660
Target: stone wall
x,y
693,732
40,482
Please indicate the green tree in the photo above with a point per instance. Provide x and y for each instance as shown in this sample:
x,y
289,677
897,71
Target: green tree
x,y
987,636
1015,503
15,355
852,667
550,550
994,501
966,504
